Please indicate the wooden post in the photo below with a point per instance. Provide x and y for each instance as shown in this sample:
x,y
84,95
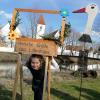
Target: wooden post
x,y
13,20
16,78
21,77
49,79
62,30
45,77
12,26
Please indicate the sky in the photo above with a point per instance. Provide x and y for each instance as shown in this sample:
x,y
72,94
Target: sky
x,y
78,21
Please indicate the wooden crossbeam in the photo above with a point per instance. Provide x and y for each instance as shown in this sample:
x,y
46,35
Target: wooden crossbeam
x,y
37,11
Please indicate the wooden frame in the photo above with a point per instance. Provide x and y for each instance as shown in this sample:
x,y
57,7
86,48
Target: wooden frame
x,y
39,11
48,59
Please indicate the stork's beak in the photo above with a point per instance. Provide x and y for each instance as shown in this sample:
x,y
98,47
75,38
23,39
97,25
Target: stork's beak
x,y
82,10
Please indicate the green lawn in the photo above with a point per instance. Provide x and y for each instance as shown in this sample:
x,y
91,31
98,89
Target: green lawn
x,y
60,90
69,90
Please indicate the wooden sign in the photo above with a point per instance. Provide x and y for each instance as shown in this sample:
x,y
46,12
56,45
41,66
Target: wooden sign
x,y
33,46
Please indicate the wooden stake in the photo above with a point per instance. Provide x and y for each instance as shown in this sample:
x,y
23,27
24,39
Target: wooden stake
x,y
45,77
16,78
49,79
62,30
21,78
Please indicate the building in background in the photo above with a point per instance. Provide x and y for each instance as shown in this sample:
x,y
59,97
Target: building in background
x,y
4,33
40,27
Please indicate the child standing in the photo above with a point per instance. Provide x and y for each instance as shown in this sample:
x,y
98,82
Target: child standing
x,y
36,65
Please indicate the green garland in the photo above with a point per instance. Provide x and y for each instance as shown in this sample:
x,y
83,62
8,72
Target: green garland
x,y
50,36
17,21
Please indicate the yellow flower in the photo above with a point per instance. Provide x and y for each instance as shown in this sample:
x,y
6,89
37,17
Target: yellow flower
x,y
12,36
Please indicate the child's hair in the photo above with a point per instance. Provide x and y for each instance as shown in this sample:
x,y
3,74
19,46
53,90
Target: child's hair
x,y
40,57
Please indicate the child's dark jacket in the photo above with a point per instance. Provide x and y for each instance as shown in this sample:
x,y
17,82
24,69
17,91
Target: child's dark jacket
x,y
38,77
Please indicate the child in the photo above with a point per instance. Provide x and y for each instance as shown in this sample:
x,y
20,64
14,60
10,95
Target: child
x,y
36,65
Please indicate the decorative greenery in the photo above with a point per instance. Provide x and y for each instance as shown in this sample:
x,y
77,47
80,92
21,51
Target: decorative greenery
x,y
67,30
17,21
51,36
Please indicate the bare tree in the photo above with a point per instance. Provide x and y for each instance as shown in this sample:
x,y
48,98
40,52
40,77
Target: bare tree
x,y
2,40
32,20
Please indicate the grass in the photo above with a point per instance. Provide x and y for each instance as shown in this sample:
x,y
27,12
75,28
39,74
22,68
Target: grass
x,y
69,90
60,90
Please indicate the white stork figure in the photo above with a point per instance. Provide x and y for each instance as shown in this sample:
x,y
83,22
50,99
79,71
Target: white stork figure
x,y
92,10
